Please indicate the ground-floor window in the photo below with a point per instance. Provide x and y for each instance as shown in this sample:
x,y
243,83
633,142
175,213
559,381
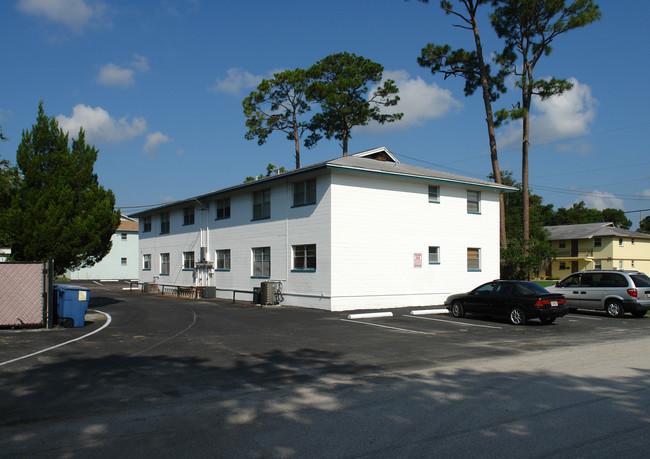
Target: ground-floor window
x,y
304,257
473,259
164,264
262,262
223,260
188,260
123,261
146,262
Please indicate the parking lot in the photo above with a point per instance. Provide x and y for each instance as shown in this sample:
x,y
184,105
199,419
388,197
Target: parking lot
x,y
150,375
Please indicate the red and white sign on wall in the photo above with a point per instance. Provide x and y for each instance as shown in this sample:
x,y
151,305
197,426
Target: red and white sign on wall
x,y
417,260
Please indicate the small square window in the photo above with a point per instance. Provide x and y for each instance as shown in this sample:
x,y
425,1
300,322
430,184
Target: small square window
x,y
123,261
562,244
434,193
304,192
620,242
124,236
304,257
597,242
434,255
598,265
188,260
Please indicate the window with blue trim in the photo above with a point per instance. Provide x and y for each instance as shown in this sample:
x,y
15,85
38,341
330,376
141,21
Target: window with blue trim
x,y
188,216
304,257
262,262
434,193
304,192
188,260
164,264
223,260
473,259
262,204
223,208
473,202
434,255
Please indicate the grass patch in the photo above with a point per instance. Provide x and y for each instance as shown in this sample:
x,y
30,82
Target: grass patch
x,y
545,283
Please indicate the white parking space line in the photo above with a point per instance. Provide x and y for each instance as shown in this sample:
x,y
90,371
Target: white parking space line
x,y
580,316
108,321
389,327
454,322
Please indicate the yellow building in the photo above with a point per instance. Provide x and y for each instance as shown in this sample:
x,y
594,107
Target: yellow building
x,y
597,246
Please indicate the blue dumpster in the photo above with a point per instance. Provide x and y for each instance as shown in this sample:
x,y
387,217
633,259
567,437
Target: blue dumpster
x,y
71,304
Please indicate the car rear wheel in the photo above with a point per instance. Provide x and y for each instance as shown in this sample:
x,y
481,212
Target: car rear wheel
x,y
457,309
517,316
547,320
639,313
614,308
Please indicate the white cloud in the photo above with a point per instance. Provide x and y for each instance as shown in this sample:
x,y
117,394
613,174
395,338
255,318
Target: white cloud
x,y
75,14
601,200
560,117
419,101
646,193
236,80
100,126
115,75
153,141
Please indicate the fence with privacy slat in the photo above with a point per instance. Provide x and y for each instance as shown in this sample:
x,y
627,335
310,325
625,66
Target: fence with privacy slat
x,y
26,295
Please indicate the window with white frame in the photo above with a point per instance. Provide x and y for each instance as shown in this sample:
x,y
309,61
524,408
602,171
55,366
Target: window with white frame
x,y
473,259
597,242
188,260
473,202
164,264
262,262
262,204
434,255
620,242
620,264
304,192
164,223
188,216
223,260
632,241
123,261
434,193
146,224
146,262
598,265
223,208
563,266
124,236
632,263
304,257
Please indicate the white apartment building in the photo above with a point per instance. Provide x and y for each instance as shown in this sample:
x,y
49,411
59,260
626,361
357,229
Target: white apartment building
x,y
363,231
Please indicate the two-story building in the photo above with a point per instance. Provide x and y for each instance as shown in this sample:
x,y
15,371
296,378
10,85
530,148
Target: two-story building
x,y
357,232
597,246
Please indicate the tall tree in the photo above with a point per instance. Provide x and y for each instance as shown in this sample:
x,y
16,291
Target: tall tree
x,y
644,225
580,213
528,28
471,66
9,181
278,105
340,84
59,210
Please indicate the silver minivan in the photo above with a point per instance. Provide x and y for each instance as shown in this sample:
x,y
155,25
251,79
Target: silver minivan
x,y
615,292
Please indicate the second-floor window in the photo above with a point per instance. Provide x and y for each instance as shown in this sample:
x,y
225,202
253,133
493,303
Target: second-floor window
x,y
262,204
223,208
164,223
146,224
597,242
473,202
188,216
304,192
434,193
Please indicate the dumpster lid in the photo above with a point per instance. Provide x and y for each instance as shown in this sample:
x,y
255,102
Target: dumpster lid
x,y
70,287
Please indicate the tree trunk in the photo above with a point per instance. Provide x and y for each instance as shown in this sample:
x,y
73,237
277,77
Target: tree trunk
x,y
296,139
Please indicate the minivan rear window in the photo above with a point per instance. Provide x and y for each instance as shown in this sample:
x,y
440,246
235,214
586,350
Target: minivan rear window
x,y
640,280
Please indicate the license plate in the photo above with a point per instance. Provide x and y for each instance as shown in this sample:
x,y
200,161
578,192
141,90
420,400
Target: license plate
x,y
554,303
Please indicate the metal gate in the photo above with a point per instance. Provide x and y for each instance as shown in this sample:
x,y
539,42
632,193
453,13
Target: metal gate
x,y
26,294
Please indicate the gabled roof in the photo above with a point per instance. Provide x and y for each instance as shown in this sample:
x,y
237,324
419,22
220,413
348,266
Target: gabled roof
x,y
378,161
589,231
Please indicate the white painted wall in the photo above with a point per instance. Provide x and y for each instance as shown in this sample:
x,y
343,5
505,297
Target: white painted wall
x,y
366,227
111,268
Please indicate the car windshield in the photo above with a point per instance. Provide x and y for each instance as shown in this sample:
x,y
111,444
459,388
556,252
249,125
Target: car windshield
x,y
640,280
531,288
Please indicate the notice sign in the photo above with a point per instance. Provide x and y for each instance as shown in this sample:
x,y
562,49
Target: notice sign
x,y
417,260
82,295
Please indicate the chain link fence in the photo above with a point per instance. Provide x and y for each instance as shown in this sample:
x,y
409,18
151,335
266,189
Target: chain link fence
x,y
26,295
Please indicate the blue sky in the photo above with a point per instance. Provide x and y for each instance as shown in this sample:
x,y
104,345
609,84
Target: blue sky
x,y
158,85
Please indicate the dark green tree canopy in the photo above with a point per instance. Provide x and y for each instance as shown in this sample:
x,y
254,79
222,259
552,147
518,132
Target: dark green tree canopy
x,y
644,225
59,210
340,84
279,104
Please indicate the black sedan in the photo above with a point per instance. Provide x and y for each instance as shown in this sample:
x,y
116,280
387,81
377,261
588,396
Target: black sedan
x,y
516,300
